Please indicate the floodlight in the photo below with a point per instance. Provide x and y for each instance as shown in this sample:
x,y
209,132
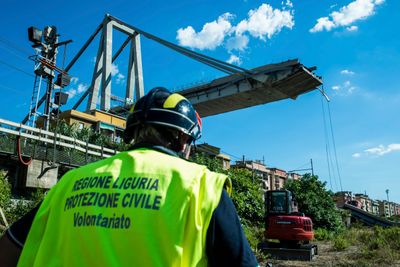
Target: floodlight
x,y
35,35
60,98
50,34
63,79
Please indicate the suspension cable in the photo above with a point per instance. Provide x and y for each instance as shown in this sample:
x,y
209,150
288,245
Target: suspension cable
x,y
334,147
326,144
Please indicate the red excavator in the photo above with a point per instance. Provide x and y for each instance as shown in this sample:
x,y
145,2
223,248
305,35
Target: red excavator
x,y
285,223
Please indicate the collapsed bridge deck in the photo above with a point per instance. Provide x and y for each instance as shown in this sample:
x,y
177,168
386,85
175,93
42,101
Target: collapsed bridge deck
x,y
269,83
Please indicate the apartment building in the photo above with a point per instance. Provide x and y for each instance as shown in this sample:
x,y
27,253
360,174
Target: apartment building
x,y
342,198
366,202
109,124
386,208
215,152
259,171
375,207
278,178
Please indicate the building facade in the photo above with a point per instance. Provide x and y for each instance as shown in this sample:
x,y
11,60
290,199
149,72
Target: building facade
x,y
103,122
215,152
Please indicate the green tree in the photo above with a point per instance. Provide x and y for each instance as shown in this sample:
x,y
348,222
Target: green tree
x,y
247,196
5,191
246,190
316,202
15,209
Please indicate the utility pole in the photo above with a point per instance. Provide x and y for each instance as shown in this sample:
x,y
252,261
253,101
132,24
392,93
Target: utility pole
x,y
307,169
312,167
46,43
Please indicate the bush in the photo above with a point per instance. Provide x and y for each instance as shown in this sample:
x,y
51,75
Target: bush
x,y
247,197
316,202
246,193
340,243
254,235
15,209
322,234
377,246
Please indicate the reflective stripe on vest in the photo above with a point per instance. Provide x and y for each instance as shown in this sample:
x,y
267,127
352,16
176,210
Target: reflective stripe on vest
x,y
137,208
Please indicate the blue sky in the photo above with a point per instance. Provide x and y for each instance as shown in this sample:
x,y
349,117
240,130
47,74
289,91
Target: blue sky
x,y
354,44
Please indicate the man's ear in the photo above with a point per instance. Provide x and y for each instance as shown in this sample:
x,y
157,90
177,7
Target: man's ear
x,y
183,140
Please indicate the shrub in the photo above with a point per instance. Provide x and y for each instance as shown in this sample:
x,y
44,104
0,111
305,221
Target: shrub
x,y
340,243
15,209
246,192
316,202
254,235
322,234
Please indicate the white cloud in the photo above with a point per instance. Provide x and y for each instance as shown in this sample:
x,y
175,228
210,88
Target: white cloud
x,y
288,3
81,88
262,23
347,15
265,22
72,92
378,150
322,23
120,78
211,36
238,42
351,89
352,28
234,60
114,69
345,89
382,150
347,72
74,80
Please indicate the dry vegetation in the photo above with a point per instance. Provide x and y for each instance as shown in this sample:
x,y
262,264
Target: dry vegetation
x,y
359,247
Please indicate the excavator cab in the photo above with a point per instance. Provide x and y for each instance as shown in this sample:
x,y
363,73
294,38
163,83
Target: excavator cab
x,y
283,220
280,202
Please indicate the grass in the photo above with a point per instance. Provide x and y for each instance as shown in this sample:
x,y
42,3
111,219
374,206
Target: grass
x,y
376,246
358,246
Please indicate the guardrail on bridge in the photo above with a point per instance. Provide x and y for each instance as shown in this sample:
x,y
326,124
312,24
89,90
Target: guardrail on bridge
x,y
28,142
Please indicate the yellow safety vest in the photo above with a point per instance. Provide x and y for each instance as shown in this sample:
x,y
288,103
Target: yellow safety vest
x,y
137,208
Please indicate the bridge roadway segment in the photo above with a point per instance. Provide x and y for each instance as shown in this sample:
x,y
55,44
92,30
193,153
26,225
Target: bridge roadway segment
x,y
368,218
269,83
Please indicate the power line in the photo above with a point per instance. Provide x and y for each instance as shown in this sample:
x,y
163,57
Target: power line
x,y
300,167
233,156
16,68
14,46
12,89
15,54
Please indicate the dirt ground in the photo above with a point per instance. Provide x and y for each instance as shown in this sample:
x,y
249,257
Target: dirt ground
x,y
327,257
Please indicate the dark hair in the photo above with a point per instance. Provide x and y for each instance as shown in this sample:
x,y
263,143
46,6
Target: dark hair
x,y
159,136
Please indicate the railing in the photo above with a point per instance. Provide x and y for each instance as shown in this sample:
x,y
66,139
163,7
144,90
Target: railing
x,y
26,141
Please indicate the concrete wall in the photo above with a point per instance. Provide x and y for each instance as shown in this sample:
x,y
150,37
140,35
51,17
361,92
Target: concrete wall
x,y
41,175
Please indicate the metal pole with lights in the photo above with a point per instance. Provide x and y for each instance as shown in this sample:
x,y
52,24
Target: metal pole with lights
x,y
46,43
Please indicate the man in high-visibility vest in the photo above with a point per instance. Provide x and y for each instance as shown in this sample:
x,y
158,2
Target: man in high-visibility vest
x,y
144,207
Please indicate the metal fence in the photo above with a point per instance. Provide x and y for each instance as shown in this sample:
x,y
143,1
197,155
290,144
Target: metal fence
x,y
21,140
